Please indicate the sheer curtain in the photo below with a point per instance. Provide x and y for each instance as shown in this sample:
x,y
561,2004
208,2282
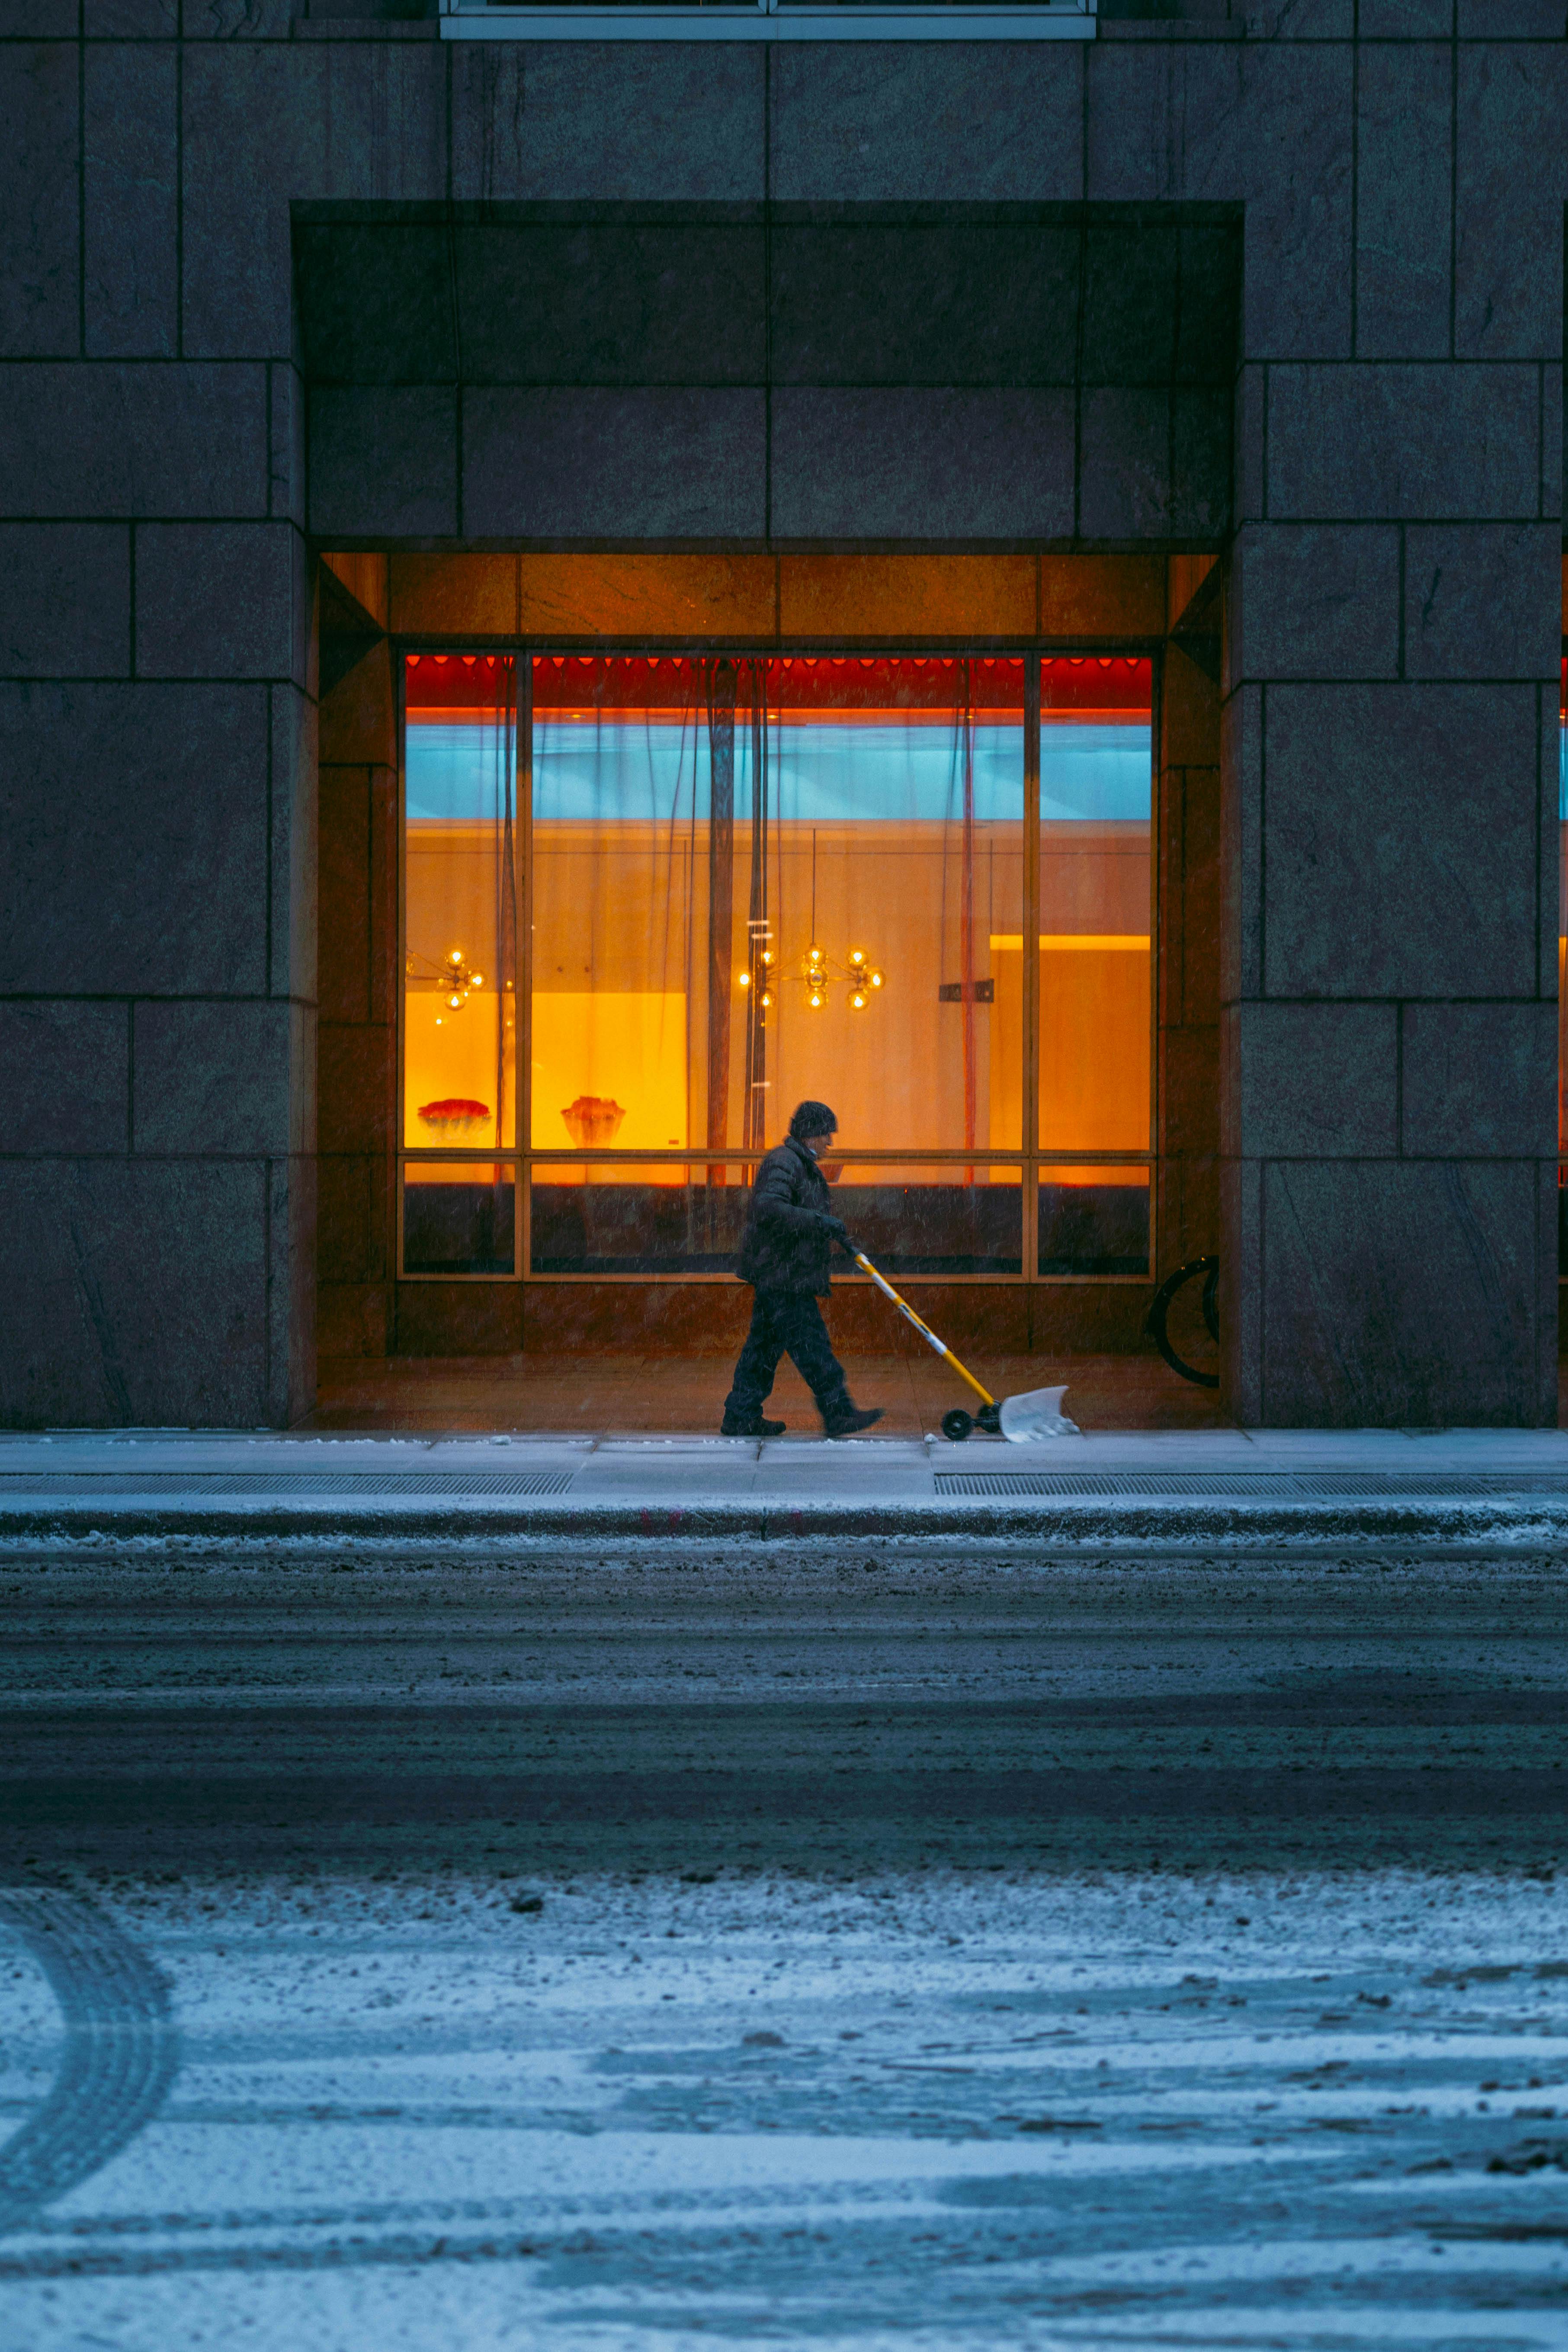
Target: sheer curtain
x,y
620,794
755,880
623,1042
899,785
459,963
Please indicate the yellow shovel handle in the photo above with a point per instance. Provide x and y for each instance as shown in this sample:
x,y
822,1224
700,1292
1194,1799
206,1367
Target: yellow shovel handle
x,y
927,1334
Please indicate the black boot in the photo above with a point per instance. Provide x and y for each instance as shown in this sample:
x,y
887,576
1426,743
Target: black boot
x,y
847,1424
755,1427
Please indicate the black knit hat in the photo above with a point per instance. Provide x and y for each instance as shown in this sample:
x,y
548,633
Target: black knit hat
x,y
812,1119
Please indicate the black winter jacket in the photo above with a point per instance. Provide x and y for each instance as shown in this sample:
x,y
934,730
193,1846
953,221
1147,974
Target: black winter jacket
x,y
785,1246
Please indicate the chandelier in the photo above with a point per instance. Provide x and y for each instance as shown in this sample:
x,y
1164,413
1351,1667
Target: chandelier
x,y
858,973
455,978
818,975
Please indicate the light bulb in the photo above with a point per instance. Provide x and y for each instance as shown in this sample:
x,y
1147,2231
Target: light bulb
x,y
858,1001
456,1003
765,998
456,956
767,955
742,979
876,980
813,955
476,980
856,956
814,1001
437,1021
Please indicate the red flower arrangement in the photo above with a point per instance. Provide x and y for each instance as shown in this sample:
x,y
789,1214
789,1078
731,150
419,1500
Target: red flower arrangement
x,y
455,1115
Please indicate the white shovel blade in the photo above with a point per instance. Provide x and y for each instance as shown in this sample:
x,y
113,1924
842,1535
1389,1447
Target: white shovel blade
x,y
1036,1414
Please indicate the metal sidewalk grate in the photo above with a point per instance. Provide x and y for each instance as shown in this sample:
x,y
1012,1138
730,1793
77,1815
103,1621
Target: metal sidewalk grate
x,y
1256,1485
292,1486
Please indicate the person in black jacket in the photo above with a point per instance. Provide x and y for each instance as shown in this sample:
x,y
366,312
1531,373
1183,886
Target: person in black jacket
x,y
784,1253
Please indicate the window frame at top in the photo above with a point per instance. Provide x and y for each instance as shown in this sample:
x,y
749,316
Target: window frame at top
x,y
1030,1159
769,20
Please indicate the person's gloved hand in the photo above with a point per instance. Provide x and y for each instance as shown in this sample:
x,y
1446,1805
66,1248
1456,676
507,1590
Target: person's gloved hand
x,y
836,1230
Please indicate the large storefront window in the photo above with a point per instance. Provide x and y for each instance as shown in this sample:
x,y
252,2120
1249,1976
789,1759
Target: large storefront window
x,y
738,881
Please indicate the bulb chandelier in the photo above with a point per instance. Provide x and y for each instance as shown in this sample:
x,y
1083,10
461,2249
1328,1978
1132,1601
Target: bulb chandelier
x,y
858,973
454,978
819,974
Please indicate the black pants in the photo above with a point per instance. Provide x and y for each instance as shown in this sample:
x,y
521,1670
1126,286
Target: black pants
x,y
787,1322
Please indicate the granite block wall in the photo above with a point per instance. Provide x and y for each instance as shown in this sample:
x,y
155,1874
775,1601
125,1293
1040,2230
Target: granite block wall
x,y
357,971
194,397
803,373
157,781
1395,610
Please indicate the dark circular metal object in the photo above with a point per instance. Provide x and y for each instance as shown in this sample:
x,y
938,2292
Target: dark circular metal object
x,y
957,1424
1159,1313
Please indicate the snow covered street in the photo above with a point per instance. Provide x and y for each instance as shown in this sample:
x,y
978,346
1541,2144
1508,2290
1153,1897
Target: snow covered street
x,y
872,1950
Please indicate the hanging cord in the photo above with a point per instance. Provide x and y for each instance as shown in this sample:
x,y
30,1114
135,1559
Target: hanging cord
x,y
757,935
966,916
675,938
506,905
682,864
719,687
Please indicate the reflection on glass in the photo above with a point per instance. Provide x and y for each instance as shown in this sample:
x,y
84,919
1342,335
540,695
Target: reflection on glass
x,y
1094,1219
673,1217
460,866
658,1217
932,1221
458,1217
1096,896
1563,971
757,881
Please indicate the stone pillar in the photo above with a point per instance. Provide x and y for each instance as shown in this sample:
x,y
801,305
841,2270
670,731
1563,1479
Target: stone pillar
x,y
359,977
1390,816
157,934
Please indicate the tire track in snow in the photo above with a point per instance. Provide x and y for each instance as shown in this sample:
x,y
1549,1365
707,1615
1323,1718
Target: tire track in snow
x,y
121,2047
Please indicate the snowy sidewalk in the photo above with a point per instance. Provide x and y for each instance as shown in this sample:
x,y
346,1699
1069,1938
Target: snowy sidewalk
x,y
1174,1486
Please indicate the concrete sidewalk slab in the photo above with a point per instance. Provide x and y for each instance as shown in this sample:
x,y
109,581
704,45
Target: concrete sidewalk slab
x,y
1200,1486
634,1395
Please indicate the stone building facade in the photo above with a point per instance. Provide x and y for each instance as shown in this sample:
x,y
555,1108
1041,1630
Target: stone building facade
x,y
1234,333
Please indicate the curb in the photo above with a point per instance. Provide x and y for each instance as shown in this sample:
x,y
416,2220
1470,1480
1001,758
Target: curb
x,y
1177,1522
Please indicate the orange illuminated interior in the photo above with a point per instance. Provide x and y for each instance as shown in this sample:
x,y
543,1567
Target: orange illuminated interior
x,y
620,1006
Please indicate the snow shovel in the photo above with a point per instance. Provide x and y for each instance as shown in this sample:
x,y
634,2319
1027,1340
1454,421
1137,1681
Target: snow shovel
x,y
1038,1414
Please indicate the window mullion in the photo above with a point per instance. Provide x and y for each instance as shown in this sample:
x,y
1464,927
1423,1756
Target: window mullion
x,y
400,974
522,961
1031,1023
